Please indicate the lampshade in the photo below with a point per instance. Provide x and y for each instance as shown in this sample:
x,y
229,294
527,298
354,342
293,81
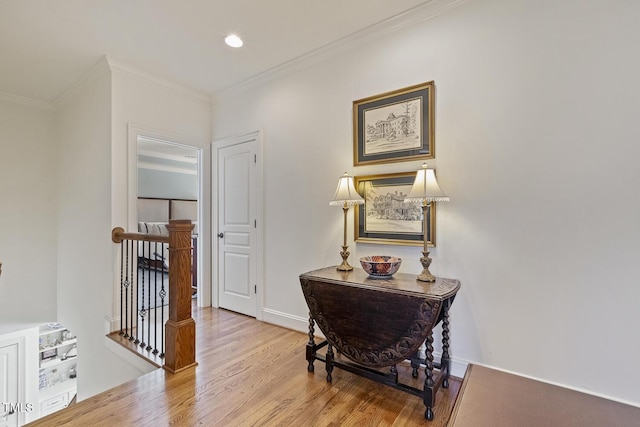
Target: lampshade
x,y
346,193
425,188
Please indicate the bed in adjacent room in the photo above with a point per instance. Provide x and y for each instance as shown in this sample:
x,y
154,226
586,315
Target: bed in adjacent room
x,y
153,216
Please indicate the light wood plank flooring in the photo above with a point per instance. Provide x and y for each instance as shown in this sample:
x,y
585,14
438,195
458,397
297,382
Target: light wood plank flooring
x,y
252,374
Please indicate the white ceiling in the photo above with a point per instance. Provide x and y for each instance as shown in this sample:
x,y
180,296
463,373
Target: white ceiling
x,y
47,45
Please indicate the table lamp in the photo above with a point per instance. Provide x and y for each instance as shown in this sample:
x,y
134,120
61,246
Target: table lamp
x,y
426,190
346,196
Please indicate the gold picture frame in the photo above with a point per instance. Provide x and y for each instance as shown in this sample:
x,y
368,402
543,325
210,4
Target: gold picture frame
x,y
385,217
394,126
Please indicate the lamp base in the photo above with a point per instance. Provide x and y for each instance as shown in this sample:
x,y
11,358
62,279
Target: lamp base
x,y
345,265
426,275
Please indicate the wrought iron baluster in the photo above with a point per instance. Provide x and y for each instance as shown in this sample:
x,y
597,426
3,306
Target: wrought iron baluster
x,y
121,284
137,272
175,325
147,345
141,284
142,312
127,284
133,286
163,293
155,314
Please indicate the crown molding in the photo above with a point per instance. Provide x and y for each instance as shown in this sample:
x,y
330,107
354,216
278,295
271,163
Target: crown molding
x,y
108,65
134,72
416,15
29,102
101,69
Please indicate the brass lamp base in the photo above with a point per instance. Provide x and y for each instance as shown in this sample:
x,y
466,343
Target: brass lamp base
x,y
345,265
426,275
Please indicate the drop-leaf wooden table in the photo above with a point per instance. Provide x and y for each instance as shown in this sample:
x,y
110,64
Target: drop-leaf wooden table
x,y
377,323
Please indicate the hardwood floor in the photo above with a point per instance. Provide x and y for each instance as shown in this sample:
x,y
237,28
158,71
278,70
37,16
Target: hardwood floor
x,y
253,374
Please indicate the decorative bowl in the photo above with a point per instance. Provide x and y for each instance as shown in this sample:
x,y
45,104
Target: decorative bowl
x,y
380,266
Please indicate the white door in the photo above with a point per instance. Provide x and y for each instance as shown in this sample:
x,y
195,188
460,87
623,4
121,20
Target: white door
x,y
237,225
9,385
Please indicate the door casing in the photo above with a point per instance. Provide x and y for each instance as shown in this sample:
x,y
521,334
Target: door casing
x,y
217,145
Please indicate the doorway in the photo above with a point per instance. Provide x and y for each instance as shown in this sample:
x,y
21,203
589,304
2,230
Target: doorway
x,y
173,173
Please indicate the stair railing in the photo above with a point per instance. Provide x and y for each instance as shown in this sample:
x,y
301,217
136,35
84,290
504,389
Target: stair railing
x,y
144,291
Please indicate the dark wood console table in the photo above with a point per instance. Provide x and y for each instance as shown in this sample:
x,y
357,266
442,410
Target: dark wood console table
x,y
378,323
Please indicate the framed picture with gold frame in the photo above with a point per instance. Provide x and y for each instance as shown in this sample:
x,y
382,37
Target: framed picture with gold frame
x,y
394,126
385,217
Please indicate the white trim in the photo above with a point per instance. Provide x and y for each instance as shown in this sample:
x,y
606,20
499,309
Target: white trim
x,y
286,320
458,366
29,102
301,324
568,387
421,13
101,69
204,191
127,69
111,324
217,145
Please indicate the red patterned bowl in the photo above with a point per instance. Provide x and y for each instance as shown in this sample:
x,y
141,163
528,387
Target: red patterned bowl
x,y
380,266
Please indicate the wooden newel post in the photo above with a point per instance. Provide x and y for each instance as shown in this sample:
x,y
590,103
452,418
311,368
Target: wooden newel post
x,y
180,329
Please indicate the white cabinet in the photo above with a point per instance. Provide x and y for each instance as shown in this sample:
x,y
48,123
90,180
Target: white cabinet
x,y
58,354
56,402
8,385
18,374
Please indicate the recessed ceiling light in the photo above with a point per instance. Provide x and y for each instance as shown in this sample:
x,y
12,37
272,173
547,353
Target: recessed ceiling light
x,y
233,40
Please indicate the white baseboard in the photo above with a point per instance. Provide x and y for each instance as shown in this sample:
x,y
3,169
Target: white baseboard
x,y
458,367
285,320
568,387
111,324
297,323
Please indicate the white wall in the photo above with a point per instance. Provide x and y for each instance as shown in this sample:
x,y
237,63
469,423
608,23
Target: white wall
x,y
151,107
94,121
85,265
27,213
537,147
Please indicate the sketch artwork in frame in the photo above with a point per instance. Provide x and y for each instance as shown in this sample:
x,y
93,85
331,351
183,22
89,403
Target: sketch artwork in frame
x,y
385,217
394,126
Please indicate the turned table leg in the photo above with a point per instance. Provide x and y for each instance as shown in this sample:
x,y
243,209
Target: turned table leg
x,y
445,360
311,345
429,392
415,364
392,378
329,362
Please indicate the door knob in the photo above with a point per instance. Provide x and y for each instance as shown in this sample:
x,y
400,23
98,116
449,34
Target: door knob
x,y
220,235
